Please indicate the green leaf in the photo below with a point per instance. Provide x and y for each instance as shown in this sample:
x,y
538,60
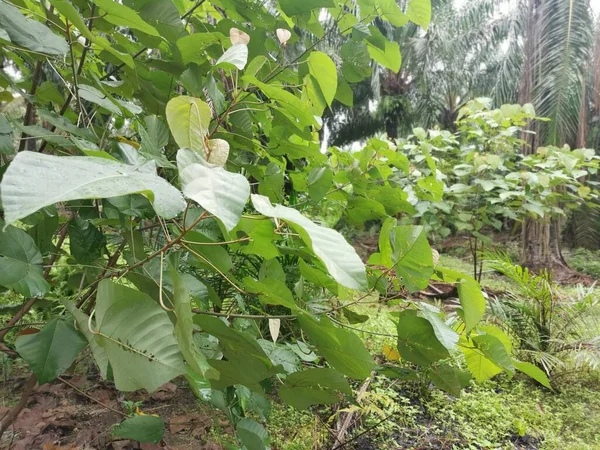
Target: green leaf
x,y
246,363
480,366
322,377
85,241
317,277
344,93
295,7
533,371
91,94
339,257
141,428
82,324
390,10
271,292
323,70
417,341
280,355
208,255
252,434
419,12
34,180
192,47
319,182
291,104
51,351
164,17
494,350
220,192
449,379
184,328
360,210
188,119
7,145
29,33
411,255
235,56
74,17
262,236
121,15
446,335
472,302
138,338
304,397
20,262
342,349
388,56
430,188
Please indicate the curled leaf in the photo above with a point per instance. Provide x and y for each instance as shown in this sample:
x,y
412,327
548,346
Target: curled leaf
x,y
283,35
238,36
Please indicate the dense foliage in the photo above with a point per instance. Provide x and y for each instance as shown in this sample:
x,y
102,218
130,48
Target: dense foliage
x,y
170,155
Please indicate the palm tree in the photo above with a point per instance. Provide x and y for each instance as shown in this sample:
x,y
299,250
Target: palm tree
x,y
557,47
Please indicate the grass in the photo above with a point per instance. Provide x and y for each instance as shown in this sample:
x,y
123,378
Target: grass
x,y
503,413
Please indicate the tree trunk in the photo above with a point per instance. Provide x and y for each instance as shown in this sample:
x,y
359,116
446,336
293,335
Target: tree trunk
x,y
541,245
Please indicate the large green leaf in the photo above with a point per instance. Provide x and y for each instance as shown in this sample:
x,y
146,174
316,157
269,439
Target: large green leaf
x,y
141,429
51,351
29,33
288,102
98,352
188,119
184,328
252,434
121,15
314,387
472,302
20,263
383,51
235,56
339,257
246,363
494,350
342,349
271,292
193,46
419,12
533,371
138,338
450,379
34,180
411,256
417,341
323,70
446,335
96,96
220,192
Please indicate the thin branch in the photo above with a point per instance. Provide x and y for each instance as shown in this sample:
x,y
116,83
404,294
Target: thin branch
x,y
8,420
27,306
91,398
30,110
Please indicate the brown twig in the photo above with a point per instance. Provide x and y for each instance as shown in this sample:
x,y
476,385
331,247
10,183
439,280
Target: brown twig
x,y
8,420
90,397
30,110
